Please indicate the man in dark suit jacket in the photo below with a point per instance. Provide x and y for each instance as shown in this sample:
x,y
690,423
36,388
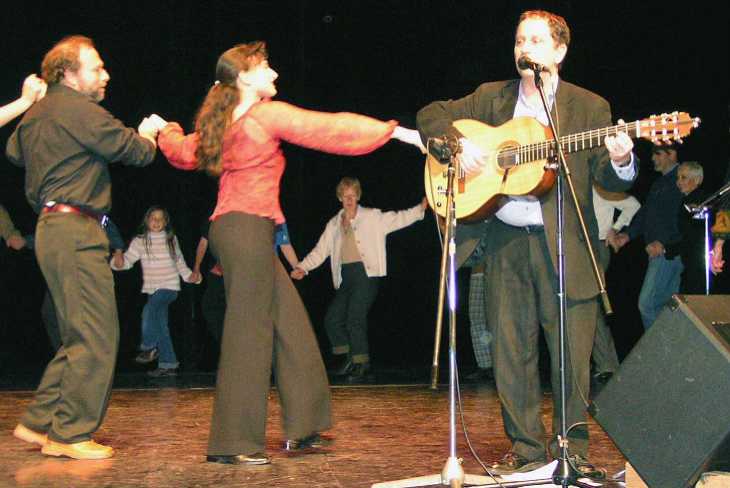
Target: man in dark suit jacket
x,y
520,244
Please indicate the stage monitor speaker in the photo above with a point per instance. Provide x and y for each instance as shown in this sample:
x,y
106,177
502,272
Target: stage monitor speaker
x,y
667,408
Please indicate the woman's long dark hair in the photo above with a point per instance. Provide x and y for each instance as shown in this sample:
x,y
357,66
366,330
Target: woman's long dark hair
x,y
214,115
144,231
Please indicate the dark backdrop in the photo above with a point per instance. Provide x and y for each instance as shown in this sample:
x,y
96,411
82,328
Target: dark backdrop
x,y
384,58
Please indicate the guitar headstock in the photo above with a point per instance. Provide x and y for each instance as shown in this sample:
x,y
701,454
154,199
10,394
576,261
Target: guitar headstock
x,y
667,128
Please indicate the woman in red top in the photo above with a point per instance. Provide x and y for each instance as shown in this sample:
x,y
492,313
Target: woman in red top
x,y
237,138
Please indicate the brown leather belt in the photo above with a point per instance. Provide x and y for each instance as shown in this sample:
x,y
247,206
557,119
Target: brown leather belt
x,y
53,207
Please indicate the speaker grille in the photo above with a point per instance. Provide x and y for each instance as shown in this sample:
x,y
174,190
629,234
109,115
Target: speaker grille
x,y
668,406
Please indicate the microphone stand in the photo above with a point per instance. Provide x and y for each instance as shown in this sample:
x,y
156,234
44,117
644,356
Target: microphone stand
x,y
452,473
565,474
701,211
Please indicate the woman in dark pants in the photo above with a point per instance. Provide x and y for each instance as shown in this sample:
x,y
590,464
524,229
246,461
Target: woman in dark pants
x,y
237,138
354,241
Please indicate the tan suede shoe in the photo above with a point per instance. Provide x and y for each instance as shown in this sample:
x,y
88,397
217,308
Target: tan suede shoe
x,y
78,450
27,435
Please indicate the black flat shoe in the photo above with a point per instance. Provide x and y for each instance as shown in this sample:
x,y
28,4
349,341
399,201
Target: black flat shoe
x,y
360,374
603,377
162,372
343,368
314,441
244,459
480,375
146,357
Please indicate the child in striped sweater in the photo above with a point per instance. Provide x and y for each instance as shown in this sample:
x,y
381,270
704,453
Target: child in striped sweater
x,y
162,261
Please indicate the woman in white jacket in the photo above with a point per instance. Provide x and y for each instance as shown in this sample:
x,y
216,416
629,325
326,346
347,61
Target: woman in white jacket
x,y
354,240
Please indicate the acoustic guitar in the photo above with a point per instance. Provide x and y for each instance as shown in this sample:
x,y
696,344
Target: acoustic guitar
x,y
520,159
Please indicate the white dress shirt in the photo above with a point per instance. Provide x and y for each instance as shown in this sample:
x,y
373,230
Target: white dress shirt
x,y
526,210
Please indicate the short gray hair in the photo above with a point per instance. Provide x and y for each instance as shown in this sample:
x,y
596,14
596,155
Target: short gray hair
x,y
693,169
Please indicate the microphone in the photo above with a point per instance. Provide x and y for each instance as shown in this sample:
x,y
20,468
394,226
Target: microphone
x,y
526,63
445,147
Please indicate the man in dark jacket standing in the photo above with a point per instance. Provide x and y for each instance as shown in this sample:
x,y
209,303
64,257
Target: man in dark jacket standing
x,y
520,248
656,222
66,143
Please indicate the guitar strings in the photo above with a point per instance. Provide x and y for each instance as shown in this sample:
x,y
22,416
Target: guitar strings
x,y
544,149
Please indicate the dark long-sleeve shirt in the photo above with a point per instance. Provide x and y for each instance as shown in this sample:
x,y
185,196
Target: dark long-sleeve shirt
x,y
690,246
656,220
66,142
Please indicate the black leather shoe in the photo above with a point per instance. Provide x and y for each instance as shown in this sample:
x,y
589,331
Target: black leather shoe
x,y
360,373
479,375
586,469
245,459
162,372
342,368
514,463
314,441
602,377
146,357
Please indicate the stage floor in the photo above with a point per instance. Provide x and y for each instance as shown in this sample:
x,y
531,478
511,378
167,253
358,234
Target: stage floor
x,y
382,433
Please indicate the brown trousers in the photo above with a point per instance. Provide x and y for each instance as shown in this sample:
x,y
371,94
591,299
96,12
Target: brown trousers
x,y
265,319
73,394
604,354
522,297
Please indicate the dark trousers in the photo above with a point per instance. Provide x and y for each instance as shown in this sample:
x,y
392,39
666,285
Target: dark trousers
x,y
213,305
522,297
72,398
604,354
264,317
346,320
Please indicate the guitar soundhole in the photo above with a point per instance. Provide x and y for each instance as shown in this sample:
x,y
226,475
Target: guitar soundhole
x,y
507,157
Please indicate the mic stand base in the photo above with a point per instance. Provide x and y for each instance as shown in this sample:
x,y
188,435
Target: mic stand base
x,y
452,474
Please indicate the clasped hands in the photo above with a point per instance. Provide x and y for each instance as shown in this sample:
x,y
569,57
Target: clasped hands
x,y
151,126
617,241
34,88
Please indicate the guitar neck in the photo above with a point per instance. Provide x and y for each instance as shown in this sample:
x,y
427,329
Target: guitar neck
x,y
579,141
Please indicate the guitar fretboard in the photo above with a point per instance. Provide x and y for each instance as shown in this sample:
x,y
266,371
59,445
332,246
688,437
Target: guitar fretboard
x,y
580,141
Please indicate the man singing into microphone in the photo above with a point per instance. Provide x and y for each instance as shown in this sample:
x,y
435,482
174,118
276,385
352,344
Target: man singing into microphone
x,y
520,247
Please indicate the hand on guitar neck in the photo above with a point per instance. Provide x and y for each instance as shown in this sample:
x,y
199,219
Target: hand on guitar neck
x,y
619,146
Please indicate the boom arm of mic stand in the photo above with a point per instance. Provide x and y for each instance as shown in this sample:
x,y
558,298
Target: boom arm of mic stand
x,y
448,229
713,199
584,230
594,264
